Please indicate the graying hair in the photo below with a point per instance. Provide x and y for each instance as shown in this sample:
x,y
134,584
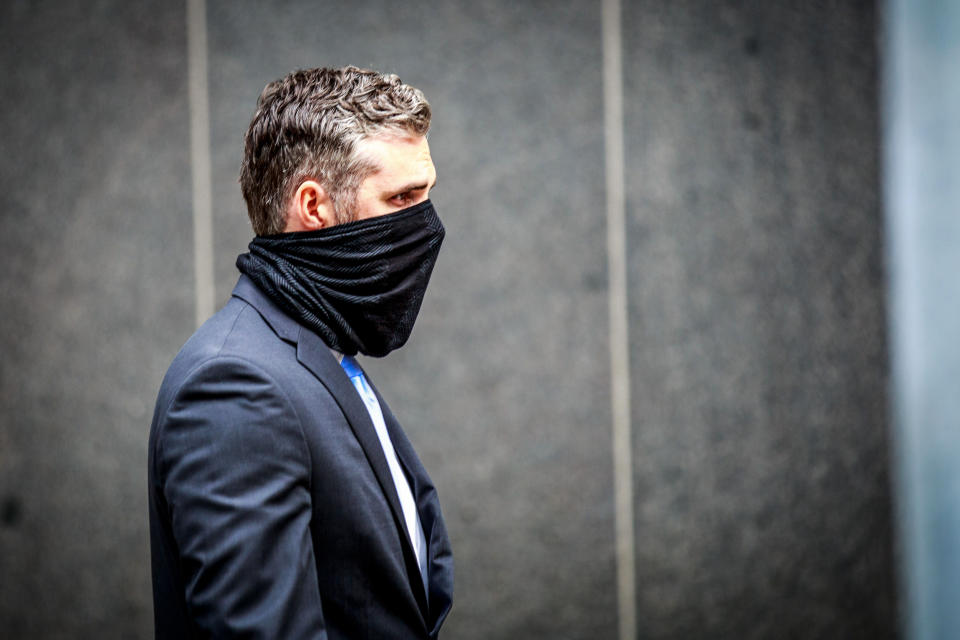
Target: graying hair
x,y
307,126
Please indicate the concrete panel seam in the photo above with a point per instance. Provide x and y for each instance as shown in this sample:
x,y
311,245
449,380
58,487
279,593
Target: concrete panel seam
x,y
200,158
619,345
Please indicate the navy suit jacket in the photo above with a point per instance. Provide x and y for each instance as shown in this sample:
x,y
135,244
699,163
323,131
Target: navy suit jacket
x,y
273,513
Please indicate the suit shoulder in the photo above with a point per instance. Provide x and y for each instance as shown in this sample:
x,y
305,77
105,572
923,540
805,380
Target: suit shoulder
x,y
223,398
235,333
237,330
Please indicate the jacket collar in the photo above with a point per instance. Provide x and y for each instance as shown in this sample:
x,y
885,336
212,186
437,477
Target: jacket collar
x,y
283,325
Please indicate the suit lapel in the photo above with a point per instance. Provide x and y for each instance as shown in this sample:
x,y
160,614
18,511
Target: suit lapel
x,y
314,354
439,554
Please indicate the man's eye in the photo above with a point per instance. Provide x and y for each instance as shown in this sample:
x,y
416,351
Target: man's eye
x,y
401,198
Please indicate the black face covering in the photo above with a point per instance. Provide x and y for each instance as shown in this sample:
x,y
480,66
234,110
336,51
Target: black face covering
x,y
358,285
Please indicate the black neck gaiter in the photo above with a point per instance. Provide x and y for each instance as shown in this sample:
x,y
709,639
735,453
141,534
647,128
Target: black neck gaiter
x,y
358,285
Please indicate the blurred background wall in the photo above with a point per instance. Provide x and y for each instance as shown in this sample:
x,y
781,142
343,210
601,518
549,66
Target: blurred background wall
x,y
755,302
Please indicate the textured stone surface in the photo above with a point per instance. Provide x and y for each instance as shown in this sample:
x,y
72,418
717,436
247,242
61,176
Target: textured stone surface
x,y
756,319
757,343
96,296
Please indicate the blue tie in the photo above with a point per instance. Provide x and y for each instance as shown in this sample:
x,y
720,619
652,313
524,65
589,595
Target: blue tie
x,y
349,364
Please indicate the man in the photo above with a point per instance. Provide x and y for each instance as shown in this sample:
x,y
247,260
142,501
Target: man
x,y
285,499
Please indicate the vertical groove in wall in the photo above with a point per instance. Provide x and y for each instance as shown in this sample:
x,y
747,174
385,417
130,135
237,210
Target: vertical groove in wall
x,y
200,158
619,348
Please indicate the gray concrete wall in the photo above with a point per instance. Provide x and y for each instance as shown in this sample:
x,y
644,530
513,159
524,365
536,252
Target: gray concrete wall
x,y
755,284
95,293
757,315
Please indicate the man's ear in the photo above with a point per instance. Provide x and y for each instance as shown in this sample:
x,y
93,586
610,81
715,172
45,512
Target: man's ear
x,y
310,209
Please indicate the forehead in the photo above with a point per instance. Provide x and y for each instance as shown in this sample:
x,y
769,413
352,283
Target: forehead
x,y
398,156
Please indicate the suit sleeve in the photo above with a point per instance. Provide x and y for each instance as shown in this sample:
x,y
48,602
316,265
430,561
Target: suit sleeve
x,y
235,474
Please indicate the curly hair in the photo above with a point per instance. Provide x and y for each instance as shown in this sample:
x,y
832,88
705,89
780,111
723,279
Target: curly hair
x,y
307,126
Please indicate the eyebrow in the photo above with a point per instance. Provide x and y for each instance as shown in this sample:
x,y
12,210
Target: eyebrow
x,y
414,186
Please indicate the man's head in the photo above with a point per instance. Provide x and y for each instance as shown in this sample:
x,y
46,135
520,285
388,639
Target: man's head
x,y
326,146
